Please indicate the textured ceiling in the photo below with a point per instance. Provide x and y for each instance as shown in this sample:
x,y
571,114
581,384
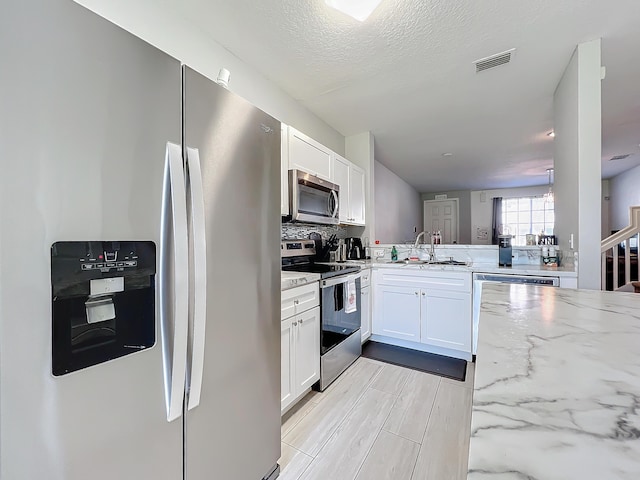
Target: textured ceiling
x,y
406,75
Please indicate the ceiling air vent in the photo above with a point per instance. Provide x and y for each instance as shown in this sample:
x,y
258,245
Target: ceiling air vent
x,y
494,60
620,157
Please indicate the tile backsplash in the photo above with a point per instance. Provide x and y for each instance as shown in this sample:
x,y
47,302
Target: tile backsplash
x,y
292,231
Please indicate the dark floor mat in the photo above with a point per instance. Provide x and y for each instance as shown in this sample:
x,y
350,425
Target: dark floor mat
x,y
423,361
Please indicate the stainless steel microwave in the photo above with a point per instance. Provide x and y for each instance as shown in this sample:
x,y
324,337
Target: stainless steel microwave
x,y
312,199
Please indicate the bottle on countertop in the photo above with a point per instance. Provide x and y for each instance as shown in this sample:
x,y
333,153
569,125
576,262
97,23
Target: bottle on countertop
x,y
394,253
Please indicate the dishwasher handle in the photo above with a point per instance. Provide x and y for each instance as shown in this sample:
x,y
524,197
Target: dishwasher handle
x,y
517,279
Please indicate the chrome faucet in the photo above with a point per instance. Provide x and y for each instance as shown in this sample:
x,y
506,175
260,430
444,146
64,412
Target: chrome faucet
x,y
432,251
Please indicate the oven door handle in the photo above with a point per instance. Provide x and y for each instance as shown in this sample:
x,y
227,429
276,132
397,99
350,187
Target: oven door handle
x,y
332,282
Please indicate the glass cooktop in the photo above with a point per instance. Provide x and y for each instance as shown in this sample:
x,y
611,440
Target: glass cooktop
x,y
325,271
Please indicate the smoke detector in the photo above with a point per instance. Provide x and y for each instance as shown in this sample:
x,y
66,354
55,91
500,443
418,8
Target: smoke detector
x,y
619,157
493,61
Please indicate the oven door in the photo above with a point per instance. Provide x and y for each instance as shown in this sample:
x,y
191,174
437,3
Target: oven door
x,y
336,323
313,199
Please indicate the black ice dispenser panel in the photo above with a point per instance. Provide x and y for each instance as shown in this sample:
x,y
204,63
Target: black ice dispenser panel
x,y
103,301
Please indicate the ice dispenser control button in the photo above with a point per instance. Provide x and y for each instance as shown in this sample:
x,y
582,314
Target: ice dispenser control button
x,y
111,256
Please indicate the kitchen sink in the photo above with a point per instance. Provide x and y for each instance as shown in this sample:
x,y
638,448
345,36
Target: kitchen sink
x,y
446,262
428,262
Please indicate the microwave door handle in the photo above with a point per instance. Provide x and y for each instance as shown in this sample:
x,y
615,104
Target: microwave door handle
x,y
334,195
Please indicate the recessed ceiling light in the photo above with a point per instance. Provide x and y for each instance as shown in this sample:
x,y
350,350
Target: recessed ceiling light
x,y
551,134
358,9
448,154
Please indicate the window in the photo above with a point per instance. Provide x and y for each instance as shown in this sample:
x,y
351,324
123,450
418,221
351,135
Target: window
x,y
524,215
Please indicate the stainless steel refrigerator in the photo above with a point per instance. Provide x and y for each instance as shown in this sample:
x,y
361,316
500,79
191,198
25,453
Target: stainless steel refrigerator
x,y
170,184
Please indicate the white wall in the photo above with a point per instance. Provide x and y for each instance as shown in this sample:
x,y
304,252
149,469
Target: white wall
x,y
398,207
464,212
577,157
624,192
153,22
482,207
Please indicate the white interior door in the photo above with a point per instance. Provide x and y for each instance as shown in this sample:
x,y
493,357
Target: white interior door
x,y
442,216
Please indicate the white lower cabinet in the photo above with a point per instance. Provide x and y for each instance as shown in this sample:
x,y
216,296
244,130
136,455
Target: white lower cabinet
x,y
365,305
300,343
365,313
306,341
447,322
398,312
422,311
286,378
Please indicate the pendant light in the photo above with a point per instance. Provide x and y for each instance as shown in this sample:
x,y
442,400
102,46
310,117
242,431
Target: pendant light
x,y
548,197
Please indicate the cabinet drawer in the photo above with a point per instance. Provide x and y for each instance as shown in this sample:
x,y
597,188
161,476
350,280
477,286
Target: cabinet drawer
x,y
297,300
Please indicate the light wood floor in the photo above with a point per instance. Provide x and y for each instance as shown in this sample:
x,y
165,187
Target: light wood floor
x,y
379,421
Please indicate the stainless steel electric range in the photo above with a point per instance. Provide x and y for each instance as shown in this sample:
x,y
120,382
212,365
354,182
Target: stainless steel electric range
x,y
340,307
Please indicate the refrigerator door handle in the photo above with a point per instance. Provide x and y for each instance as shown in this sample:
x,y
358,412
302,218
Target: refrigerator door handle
x,y
199,312
174,292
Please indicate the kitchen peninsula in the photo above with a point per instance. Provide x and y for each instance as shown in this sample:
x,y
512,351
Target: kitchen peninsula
x,y
557,385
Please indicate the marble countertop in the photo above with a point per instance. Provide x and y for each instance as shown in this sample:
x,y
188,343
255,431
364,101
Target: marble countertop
x,y
522,269
557,385
295,279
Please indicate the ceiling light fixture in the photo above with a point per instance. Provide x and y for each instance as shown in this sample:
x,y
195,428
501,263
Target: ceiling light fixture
x,y
548,197
551,134
358,9
448,154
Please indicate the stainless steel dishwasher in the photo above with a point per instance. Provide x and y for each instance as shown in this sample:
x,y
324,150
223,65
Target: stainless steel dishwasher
x,y
481,278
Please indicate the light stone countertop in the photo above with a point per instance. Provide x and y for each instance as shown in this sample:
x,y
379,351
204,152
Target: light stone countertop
x,y
523,269
295,279
557,385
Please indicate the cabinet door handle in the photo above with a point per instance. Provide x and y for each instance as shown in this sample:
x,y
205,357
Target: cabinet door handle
x,y
295,323
416,293
423,294
296,302
300,322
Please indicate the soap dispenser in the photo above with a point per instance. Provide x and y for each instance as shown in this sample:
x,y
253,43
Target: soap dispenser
x,y
394,254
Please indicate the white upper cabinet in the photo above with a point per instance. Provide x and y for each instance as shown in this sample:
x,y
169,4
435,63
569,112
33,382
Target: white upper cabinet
x,y
301,152
352,190
340,176
308,155
356,195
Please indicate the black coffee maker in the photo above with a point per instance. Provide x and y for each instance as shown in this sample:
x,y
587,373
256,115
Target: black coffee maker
x,y
505,251
355,250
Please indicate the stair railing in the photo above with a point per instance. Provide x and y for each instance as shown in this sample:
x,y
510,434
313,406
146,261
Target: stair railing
x,y
611,248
